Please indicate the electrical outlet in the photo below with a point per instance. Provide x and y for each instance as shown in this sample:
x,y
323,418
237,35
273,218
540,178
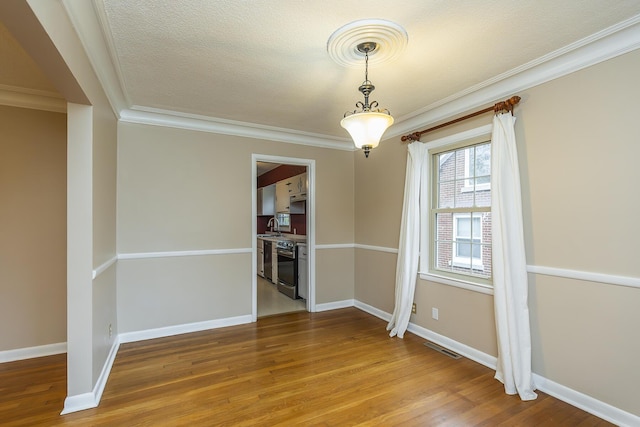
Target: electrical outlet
x,y
110,330
413,308
434,313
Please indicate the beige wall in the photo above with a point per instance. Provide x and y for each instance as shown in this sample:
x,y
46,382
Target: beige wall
x,y
580,206
51,39
578,147
33,228
181,190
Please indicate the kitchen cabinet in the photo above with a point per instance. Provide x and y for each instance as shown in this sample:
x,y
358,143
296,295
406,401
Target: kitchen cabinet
x,y
299,187
303,286
300,184
282,196
261,257
291,190
267,200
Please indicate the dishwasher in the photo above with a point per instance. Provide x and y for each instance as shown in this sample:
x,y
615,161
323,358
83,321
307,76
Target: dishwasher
x,y
268,260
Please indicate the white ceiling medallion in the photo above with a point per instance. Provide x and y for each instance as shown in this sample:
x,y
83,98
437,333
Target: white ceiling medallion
x,y
390,38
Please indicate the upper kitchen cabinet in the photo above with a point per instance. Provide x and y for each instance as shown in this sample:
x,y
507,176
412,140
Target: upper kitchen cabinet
x,y
282,195
291,190
267,200
299,187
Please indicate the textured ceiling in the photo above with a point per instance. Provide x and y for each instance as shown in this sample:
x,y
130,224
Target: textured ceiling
x,y
266,61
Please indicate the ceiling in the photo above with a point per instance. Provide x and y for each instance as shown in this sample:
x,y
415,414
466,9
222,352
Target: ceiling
x,y
264,63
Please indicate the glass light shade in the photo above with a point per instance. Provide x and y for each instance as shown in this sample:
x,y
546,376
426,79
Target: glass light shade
x,y
366,128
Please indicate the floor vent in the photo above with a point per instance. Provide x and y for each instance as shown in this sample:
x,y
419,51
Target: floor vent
x,y
442,350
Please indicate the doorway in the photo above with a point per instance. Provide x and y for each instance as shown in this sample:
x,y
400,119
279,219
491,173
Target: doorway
x,y
288,229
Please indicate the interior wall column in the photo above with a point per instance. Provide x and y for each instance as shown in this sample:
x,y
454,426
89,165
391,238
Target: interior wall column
x,y
79,252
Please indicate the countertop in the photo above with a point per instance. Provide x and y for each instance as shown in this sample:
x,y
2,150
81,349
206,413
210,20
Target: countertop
x,y
298,238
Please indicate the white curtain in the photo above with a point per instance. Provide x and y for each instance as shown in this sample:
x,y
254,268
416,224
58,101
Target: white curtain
x,y
510,283
409,248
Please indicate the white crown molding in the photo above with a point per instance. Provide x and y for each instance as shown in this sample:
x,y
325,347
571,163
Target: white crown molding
x,y
14,96
156,117
89,21
614,41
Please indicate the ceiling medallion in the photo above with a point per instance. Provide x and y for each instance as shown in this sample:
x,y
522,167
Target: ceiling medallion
x,y
390,40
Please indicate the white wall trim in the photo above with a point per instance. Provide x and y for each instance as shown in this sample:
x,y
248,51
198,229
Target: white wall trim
x,y
32,352
607,279
104,266
376,248
79,402
575,398
183,329
601,46
462,284
14,96
198,252
463,349
174,119
588,276
586,403
336,246
372,310
92,400
334,305
98,389
614,41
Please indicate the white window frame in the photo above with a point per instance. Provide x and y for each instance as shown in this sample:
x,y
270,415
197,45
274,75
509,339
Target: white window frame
x,y
469,183
283,225
470,137
476,263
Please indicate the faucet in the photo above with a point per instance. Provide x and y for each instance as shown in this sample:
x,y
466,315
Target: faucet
x,y
271,223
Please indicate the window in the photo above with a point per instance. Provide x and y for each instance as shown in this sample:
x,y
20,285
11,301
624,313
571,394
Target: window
x,y
461,213
284,221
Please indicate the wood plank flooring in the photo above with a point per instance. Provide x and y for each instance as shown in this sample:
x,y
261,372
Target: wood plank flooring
x,y
336,368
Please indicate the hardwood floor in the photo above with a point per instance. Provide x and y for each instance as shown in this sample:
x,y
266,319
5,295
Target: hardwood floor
x,y
336,368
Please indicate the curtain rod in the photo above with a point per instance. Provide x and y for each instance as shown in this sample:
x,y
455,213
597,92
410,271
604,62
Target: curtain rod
x,y
506,105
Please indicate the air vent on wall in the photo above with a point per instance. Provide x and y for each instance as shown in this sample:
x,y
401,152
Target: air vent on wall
x,y
442,350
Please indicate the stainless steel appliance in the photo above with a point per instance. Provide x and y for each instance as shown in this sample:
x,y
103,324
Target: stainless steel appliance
x,y
287,268
268,260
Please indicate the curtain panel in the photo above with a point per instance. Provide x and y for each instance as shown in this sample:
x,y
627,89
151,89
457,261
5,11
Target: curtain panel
x,y
510,281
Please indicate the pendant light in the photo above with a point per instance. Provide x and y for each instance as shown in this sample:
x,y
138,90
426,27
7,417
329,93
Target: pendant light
x,y
367,125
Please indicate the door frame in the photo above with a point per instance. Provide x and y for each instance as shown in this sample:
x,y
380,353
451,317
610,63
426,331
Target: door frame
x,y
311,226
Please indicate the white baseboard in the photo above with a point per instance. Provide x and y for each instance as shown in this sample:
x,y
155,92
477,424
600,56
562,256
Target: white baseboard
x,y
183,329
463,349
32,352
586,403
335,305
575,398
90,400
79,402
372,310
106,370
